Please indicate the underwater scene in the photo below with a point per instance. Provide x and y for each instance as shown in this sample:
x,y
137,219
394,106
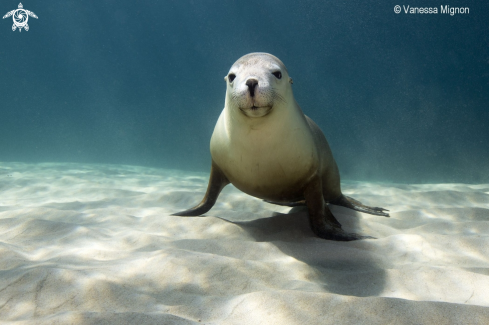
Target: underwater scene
x,y
244,162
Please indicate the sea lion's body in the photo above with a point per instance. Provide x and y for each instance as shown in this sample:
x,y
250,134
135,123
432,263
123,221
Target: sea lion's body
x,y
273,161
265,146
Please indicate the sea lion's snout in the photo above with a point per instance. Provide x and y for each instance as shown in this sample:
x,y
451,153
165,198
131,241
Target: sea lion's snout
x,y
252,83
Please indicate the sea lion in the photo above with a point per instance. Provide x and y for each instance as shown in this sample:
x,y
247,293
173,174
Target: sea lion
x,y
265,146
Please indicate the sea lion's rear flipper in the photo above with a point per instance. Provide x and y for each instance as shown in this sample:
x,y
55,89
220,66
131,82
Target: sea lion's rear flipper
x,y
288,204
217,181
323,222
351,203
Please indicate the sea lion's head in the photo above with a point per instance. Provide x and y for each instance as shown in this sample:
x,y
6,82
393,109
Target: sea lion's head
x,y
256,84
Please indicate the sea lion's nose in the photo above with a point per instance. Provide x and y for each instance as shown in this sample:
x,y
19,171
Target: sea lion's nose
x,y
252,83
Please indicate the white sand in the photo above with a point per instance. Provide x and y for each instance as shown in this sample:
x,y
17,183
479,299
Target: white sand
x,y
95,244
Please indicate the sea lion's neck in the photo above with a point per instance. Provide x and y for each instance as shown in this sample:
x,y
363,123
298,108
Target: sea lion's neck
x,y
250,127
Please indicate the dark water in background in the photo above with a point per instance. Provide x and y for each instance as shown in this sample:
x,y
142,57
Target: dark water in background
x,y
401,98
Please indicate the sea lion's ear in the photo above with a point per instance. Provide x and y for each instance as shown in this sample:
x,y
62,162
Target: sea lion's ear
x,y
290,80
226,78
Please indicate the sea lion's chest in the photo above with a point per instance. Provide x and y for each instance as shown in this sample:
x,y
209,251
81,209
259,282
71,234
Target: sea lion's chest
x,y
270,161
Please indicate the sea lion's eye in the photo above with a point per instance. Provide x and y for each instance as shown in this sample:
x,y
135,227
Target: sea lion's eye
x,y
277,74
231,77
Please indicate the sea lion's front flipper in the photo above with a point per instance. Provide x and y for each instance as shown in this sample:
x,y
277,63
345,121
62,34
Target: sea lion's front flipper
x,y
353,204
322,221
217,181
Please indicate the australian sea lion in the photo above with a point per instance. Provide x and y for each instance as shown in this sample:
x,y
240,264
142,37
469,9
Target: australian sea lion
x,y
265,146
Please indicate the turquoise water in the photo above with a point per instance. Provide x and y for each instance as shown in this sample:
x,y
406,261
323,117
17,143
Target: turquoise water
x,y
400,97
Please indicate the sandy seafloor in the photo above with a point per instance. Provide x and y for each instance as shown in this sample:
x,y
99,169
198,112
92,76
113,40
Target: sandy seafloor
x,y
95,244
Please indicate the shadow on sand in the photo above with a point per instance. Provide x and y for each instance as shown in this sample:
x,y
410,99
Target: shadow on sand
x,y
346,268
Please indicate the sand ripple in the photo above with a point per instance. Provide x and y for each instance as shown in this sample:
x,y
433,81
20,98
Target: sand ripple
x,y
95,244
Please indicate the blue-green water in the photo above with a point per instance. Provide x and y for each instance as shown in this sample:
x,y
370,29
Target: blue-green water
x,y
400,97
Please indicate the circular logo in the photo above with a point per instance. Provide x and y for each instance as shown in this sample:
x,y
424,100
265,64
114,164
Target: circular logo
x,y
20,17
397,9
